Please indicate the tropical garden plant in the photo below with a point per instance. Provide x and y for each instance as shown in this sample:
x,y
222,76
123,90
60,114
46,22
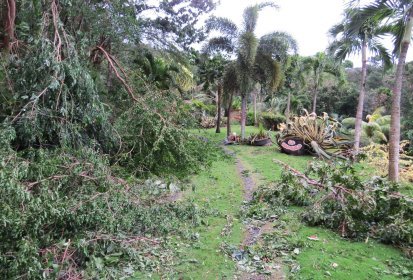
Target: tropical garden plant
x,y
375,130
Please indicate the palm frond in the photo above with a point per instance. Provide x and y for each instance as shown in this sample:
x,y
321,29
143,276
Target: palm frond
x,y
247,49
398,34
381,51
277,45
336,30
250,16
223,25
217,44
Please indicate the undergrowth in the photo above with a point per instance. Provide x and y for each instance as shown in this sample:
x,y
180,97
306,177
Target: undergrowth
x,y
64,215
338,199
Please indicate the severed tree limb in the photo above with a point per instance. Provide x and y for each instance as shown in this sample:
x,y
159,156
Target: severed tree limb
x,y
336,188
300,175
114,65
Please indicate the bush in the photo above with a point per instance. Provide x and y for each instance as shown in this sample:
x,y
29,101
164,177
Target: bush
x,y
250,118
208,122
271,120
210,109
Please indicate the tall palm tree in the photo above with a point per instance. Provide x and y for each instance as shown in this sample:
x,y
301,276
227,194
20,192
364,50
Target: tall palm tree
x,y
400,15
317,66
293,81
244,44
211,71
230,87
272,61
348,43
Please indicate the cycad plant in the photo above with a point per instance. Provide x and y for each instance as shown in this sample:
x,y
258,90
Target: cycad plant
x,y
319,134
375,130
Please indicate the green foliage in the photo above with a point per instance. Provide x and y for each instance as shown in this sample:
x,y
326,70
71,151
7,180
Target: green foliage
x,y
236,103
210,109
250,118
155,143
376,130
63,214
271,120
343,202
54,101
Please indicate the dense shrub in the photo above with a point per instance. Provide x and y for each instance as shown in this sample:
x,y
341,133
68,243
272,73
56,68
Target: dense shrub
x,y
200,106
271,120
56,102
250,118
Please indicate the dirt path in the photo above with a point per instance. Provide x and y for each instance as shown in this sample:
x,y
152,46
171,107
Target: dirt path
x,y
254,230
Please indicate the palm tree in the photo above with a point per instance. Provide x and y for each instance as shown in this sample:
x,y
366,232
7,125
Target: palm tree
x,y
317,66
350,43
211,71
272,61
230,87
244,44
293,80
400,15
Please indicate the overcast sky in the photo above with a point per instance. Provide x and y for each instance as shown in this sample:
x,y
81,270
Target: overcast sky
x,y
308,21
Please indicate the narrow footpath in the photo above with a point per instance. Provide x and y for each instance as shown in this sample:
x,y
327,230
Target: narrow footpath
x,y
254,230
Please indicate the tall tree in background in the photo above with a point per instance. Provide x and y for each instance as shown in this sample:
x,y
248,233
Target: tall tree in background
x,y
317,66
294,79
348,43
399,14
273,57
211,71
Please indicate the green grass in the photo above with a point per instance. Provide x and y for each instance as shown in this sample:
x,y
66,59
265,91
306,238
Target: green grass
x,y
355,260
218,189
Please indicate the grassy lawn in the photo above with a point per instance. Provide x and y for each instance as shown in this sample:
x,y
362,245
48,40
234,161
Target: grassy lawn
x,y
220,191
331,257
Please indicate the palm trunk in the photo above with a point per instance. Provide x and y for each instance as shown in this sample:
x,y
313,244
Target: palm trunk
x,y
255,108
287,111
394,143
315,99
243,114
219,97
360,105
229,115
